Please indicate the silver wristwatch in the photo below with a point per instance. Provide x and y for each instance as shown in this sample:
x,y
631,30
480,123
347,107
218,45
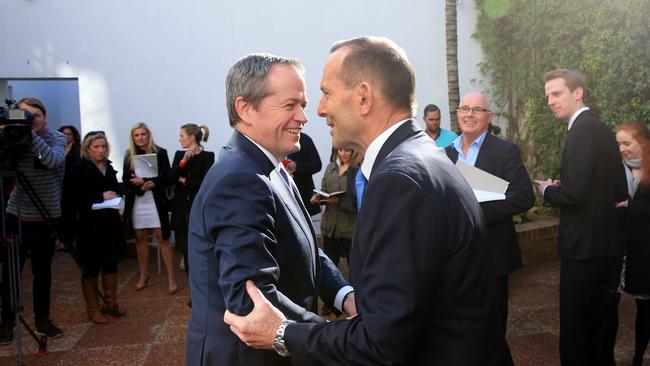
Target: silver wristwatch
x,y
278,345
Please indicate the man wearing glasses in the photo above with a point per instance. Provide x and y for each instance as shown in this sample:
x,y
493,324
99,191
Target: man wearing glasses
x,y
477,147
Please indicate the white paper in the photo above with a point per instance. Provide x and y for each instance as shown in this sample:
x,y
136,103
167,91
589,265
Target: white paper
x,y
112,203
485,196
481,180
146,165
325,194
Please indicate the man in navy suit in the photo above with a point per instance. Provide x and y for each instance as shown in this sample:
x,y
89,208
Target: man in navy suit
x,y
248,221
419,261
592,181
479,148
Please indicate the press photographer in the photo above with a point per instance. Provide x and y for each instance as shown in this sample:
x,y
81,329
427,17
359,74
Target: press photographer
x,y
36,201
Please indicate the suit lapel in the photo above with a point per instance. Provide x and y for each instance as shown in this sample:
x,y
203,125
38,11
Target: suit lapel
x,y
483,160
298,213
406,130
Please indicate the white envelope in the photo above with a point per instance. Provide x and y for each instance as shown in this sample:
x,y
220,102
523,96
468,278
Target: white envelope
x,y
146,165
486,187
112,203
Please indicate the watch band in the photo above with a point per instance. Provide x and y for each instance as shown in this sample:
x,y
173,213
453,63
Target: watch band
x,y
279,345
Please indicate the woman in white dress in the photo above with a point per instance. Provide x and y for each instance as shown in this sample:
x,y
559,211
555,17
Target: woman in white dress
x,y
146,204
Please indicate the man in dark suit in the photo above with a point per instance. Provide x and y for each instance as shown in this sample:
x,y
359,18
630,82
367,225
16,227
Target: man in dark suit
x,y
302,165
479,148
247,221
592,181
419,261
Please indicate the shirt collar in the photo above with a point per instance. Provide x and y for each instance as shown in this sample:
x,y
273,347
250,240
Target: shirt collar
x,y
375,146
575,115
270,156
458,142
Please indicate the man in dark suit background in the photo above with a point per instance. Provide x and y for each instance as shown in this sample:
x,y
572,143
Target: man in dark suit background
x,y
501,158
302,165
247,221
419,260
592,181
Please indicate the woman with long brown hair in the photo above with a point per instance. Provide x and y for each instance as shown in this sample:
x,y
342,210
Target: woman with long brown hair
x,y
633,139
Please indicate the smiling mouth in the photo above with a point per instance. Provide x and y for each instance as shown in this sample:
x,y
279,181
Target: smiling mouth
x,y
294,131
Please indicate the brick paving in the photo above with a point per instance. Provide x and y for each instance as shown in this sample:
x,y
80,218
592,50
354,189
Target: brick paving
x,y
153,332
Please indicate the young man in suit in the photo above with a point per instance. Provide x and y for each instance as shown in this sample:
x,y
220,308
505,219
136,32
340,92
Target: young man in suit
x,y
248,221
419,261
501,158
592,181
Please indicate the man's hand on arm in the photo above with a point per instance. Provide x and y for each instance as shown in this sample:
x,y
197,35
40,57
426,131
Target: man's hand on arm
x,y
259,327
542,184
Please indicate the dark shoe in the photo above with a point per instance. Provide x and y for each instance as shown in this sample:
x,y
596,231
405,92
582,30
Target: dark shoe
x,y
50,330
6,333
109,286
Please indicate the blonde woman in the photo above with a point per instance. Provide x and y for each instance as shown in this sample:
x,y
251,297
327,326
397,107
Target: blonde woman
x,y
146,204
100,242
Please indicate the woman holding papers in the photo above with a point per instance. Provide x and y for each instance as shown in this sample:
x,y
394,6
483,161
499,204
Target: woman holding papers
x,y
337,225
188,170
98,231
145,173
633,140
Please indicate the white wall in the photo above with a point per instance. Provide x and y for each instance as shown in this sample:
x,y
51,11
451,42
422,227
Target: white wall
x,y
165,62
61,98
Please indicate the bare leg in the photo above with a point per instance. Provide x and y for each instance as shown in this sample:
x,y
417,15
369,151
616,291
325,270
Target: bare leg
x,y
142,250
168,259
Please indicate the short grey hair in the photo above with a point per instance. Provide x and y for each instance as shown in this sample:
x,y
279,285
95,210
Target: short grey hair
x,y
382,61
247,78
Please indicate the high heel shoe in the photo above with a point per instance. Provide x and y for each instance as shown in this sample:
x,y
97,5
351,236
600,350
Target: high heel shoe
x,y
141,286
172,290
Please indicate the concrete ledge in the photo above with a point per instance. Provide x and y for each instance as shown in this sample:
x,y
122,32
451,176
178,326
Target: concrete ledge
x,y
538,239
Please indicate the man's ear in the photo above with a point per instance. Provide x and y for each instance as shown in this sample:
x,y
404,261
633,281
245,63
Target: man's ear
x,y
578,93
244,108
364,97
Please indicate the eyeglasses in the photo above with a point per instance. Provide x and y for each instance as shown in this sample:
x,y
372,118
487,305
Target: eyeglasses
x,y
475,110
95,133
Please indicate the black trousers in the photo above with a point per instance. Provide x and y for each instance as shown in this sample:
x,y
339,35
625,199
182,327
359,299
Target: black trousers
x,y
336,248
38,239
501,299
588,311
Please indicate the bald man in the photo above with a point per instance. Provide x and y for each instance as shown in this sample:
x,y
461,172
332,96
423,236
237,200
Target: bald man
x,y
477,147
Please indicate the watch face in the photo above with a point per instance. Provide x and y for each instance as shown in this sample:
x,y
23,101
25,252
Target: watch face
x,y
281,349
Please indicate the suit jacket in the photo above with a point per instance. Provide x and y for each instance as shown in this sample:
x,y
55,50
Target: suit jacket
x,y
419,265
637,250
502,158
307,164
194,171
246,224
593,179
99,235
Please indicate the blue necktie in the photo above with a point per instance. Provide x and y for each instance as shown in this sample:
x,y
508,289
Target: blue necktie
x,y
360,184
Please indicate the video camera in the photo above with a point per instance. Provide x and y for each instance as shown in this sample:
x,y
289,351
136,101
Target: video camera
x,y
15,128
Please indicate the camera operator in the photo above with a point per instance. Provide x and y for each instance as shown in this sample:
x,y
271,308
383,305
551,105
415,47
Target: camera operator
x,y
42,165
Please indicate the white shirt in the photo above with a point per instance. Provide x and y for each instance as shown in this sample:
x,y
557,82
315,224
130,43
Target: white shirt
x,y
375,146
340,295
575,115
